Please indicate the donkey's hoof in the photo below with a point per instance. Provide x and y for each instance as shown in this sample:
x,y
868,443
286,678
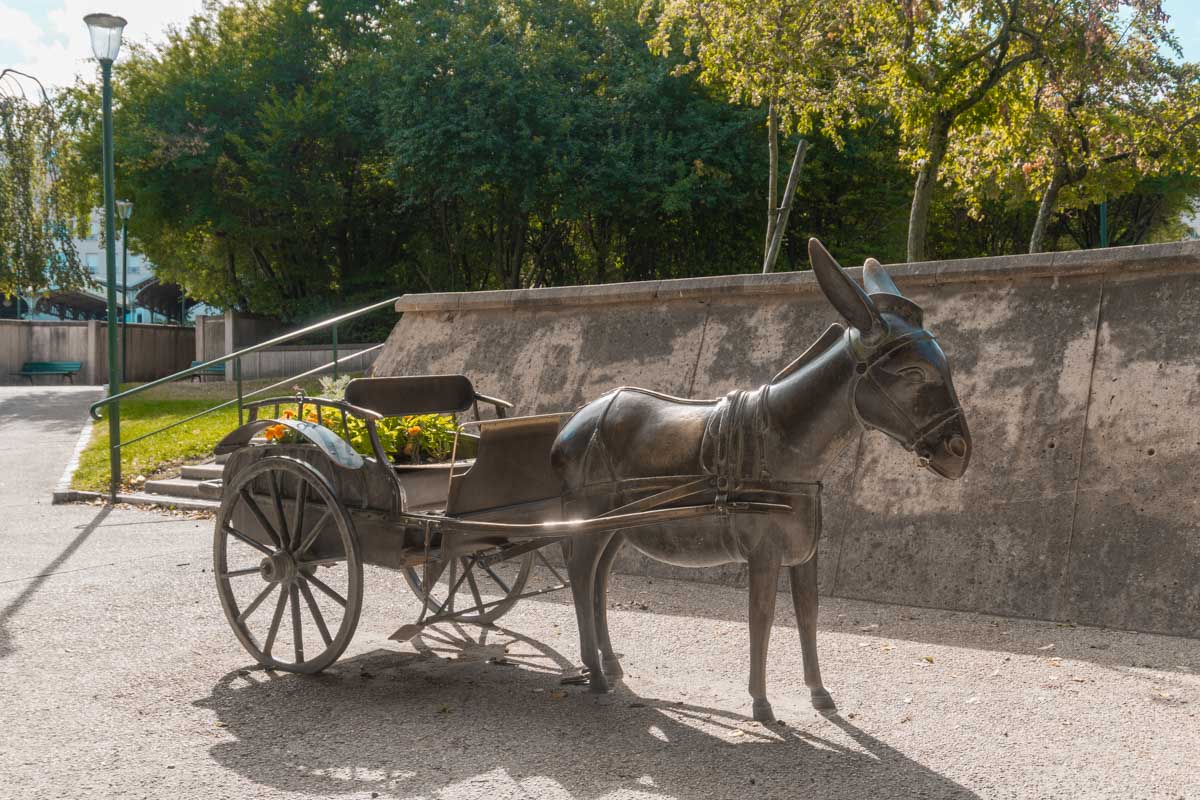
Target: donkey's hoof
x,y
822,700
612,668
598,685
763,711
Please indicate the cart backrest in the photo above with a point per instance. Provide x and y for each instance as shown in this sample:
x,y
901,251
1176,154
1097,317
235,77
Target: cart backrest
x,y
511,469
408,395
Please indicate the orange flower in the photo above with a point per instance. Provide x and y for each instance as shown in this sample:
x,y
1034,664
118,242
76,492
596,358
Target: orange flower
x,y
415,430
275,433
311,416
289,414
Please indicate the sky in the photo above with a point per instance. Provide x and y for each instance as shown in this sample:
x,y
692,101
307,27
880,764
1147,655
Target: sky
x,y
47,38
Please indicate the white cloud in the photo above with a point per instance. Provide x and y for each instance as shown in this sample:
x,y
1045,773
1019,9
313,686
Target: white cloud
x,y
56,48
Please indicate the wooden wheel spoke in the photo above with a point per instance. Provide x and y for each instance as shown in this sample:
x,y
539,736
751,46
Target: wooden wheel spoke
x,y
298,511
255,603
244,539
312,535
496,578
474,586
315,611
297,633
549,566
237,573
262,518
315,581
277,503
275,620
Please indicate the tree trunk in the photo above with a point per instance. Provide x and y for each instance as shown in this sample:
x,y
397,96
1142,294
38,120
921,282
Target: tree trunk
x,y
918,219
1049,200
789,194
772,180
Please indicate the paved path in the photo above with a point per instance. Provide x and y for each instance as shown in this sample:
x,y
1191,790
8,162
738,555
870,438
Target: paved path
x,y
119,678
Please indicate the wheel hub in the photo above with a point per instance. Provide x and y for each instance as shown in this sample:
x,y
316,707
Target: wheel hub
x,y
278,568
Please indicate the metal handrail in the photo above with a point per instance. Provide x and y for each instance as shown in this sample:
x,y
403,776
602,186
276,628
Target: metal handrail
x,y
93,409
236,358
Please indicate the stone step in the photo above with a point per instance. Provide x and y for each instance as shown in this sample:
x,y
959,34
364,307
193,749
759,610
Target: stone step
x,y
173,487
186,503
202,472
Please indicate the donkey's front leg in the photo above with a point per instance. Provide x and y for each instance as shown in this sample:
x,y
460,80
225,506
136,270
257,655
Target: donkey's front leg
x,y
804,597
582,555
764,581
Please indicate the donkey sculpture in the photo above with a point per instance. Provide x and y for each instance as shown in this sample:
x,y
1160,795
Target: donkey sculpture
x,y
772,444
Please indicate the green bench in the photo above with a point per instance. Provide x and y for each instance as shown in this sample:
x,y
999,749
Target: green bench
x,y
216,370
67,369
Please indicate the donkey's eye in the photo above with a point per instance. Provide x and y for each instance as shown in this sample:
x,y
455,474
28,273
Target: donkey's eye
x,y
912,374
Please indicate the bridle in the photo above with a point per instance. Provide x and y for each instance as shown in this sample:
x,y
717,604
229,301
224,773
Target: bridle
x,y
916,438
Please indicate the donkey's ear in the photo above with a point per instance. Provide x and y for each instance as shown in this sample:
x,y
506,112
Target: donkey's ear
x,y
877,279
846,296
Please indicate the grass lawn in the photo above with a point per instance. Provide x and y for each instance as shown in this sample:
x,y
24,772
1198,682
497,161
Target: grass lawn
x,y
162,453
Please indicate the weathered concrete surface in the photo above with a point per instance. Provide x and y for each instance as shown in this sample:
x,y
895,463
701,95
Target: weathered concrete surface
x,y
1079,372
121,679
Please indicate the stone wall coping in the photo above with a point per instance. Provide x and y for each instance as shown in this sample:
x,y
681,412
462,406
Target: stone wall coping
x,y
1183,256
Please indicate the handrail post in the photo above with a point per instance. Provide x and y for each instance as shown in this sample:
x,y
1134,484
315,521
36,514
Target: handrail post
x,y
237,377
335,355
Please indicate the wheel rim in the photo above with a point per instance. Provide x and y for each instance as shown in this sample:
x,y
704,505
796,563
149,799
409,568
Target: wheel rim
x,y
287,565
482,591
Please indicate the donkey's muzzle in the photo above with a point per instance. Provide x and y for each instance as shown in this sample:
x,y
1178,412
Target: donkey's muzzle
x,y
949,452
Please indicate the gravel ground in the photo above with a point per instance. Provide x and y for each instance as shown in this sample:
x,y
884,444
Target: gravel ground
x,y
121,679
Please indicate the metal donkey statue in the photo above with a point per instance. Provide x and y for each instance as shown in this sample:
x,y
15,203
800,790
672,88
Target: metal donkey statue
x,y
772,444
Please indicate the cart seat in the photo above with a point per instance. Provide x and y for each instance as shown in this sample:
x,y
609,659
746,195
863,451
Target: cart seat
x,y
419,394
512,479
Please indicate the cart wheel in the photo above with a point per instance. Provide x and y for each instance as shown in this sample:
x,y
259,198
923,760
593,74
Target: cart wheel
x,y
473,581
261,551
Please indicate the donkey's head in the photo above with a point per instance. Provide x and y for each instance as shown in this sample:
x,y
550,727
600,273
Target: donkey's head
x,y
902,383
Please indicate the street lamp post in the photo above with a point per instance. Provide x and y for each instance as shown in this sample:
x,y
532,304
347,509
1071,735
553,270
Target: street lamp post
x,y
105,31
125,209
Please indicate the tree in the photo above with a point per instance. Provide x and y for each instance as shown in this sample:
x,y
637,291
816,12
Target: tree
x,y
547,145
36,252
250,146
1104,108
786,55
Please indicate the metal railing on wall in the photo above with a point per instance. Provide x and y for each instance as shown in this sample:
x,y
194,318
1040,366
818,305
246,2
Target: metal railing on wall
x,y
236,359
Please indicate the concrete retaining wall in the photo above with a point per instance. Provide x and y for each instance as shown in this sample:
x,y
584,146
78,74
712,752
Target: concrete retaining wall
x,y
154,351
1080,373
280,362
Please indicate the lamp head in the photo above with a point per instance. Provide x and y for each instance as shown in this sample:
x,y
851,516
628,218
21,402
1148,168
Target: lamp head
x,y
124,209
105,30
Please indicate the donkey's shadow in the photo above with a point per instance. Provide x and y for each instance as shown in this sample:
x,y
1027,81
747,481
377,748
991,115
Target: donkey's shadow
x,y
485,707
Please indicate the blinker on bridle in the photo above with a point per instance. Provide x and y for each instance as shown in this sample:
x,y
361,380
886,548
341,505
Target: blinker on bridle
x,y
869,360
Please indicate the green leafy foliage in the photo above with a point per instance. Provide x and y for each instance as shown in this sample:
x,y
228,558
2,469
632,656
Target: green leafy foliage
x,y
419,437
36,252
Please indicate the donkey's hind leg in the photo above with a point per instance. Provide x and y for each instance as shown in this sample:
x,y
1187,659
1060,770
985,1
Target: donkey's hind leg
x,y
764,585
612,667
582,556
804,596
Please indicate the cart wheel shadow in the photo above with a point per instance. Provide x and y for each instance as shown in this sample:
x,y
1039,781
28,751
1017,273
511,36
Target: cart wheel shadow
x,y
467,706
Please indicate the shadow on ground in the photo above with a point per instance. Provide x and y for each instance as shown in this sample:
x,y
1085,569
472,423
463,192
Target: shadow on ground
x,y
14,607
449,720
46,407
1119,649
